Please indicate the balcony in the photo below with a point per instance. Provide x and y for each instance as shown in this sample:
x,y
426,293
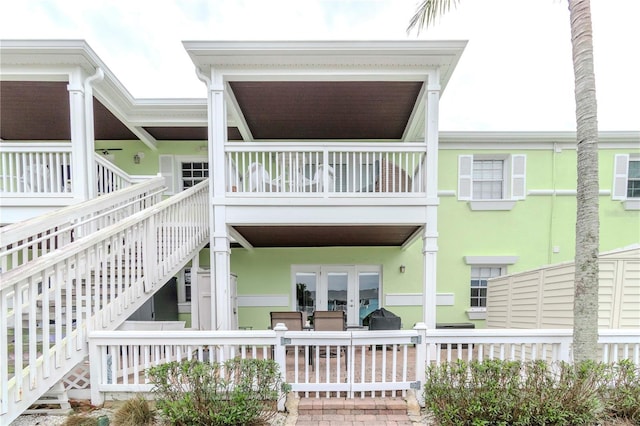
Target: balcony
x,y
37,177
299,192
313,170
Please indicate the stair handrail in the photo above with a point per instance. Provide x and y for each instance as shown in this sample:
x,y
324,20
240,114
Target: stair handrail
x,y
34,237
153,245
123,177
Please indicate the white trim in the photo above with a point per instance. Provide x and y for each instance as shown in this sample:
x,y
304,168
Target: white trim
x,y
446,193
184,307
415,299
481,205
477,313
570,192
491,260
631,204
538,140
263,300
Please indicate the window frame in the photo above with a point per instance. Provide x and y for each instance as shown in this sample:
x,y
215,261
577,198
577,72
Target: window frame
x,y
513,178
621,179
502,262
502,269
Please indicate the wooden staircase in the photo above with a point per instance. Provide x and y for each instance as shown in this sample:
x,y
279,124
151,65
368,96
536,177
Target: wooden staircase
x,y
47,306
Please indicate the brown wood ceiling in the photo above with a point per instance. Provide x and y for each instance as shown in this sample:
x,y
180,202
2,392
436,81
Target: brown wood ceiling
x,y
327,110
32,110
39,110
326,236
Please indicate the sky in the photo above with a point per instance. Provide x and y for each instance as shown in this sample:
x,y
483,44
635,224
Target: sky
x,y
516,73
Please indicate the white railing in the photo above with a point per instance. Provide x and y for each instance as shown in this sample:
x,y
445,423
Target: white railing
x,y
44,169
37,169
25,241
110,178
95,283
332,364
313,169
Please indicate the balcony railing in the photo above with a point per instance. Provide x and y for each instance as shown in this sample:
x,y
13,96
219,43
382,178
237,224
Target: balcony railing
x,y
311,169
35,168
44,169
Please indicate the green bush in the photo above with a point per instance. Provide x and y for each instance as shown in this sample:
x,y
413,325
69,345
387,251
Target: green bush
x,y
622,396
495,392
237,392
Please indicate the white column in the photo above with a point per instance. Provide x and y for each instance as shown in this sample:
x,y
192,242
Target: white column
x,y
219,239
430,235
83,170
78,119
195,292
90,140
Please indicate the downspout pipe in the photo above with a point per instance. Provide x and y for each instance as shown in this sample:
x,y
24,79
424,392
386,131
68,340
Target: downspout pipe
x,y
213,284
88,83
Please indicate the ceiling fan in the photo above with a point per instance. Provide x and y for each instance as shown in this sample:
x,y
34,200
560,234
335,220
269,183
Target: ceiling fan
x,y
105,151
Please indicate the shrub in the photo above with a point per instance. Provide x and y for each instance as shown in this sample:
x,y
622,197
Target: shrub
x,y
134,412
495,392
622,396
237,392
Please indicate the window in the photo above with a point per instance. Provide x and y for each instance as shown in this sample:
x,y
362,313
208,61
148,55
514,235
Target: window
x,y
633,179
484,268
626,180
479,277
193,173
182,172
488,179
491,182
187,284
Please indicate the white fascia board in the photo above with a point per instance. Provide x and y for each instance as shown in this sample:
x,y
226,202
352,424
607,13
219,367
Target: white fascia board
x,y
533,140
396,56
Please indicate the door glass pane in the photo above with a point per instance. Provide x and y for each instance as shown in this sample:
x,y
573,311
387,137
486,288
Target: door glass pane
x,y
306,286
337,291
368,293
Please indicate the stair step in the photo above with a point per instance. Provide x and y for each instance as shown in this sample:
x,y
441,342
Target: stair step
x,y
54,401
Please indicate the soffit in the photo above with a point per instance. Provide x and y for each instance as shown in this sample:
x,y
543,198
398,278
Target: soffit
x,y
296,110
326,236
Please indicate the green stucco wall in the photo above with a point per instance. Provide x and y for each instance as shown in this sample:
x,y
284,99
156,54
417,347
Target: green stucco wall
x,y
529,231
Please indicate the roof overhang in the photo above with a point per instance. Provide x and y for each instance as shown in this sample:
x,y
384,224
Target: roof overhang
x,y
318,90
63,60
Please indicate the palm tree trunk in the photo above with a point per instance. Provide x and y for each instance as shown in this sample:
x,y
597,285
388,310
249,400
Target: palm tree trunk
x,y
585,307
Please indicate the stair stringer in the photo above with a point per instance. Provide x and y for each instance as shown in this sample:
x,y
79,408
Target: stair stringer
x,y
76,259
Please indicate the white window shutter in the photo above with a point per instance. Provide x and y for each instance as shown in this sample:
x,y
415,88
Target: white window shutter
x,y
518,177
167,171
465,177
620,176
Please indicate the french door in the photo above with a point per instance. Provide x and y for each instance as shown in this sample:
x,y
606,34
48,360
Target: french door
x,y
354,289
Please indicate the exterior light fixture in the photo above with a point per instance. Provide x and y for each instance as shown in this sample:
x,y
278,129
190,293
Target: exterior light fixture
x,y
402,269
137,157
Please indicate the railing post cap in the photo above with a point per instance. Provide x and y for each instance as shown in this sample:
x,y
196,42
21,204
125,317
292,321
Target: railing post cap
x,y
280,327
420,326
